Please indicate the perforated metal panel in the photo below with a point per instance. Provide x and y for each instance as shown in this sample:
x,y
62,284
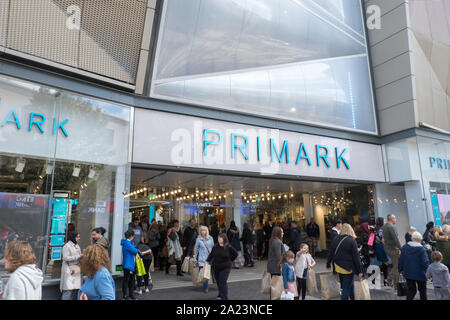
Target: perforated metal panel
x,y
3,21
107,42
39,28
111,37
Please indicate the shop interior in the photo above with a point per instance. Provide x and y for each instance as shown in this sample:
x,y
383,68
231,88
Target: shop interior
x,y
168,195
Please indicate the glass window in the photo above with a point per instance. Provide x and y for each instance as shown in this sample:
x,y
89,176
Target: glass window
x,y
298,60
57,145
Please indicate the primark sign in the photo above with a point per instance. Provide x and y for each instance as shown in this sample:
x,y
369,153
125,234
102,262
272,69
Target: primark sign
x,y
191,142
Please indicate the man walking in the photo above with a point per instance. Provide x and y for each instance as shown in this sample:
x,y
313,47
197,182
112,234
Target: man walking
x,y
392,247
413,263
313,232
295,238
189,236
137,230
337,226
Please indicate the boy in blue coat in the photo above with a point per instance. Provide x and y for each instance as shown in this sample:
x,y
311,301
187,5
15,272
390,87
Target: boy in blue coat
x,y
128,255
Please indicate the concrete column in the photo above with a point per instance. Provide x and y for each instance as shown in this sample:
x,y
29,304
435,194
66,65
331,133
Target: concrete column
x,y
236,203
417,210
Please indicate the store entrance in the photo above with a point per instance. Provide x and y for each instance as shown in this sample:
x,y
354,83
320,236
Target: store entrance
x,y
216,200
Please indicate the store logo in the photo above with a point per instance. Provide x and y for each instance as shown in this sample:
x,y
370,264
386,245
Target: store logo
x,y
37,120
240,142
439,163
373,17
73,21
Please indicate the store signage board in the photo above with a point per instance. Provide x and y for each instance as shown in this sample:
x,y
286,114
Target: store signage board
x,y
56,240
186,141
56,253
435,206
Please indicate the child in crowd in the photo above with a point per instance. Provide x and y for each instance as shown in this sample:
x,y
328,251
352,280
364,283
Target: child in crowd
x,y
441,278
288,272
303,262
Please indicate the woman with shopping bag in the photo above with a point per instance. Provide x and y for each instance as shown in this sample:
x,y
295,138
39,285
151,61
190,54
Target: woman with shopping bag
x,y
203,246
345,257
220,259
276,250
303,262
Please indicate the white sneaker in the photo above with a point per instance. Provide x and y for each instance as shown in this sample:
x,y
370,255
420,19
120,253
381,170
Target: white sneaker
x,y
146,290
138,292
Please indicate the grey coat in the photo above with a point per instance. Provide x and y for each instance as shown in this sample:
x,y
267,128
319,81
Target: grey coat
x,y
276,250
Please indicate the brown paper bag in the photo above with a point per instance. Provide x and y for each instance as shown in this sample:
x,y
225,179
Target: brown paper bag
x,y
194,276
185,265
191,265
362,291
152,266
311,282
206,273
265,283
330,287
276,287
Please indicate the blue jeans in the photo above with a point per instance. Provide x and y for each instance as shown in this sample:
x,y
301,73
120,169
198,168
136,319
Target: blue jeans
x,y
348,288
222,278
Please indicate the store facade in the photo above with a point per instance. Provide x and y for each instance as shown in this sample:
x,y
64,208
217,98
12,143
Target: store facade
x,y
191,167
64,164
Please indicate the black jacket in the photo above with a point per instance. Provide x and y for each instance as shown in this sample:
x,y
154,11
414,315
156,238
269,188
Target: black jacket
x,y
189,237
295,239
407,237
221,258
347,255
247,237
333,234
312,230
428,237
267,233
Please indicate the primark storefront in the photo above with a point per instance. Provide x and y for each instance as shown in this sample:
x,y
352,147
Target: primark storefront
x,y
275,124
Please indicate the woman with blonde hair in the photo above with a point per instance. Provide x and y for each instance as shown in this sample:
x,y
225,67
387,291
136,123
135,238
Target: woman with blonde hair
x,y
99,284
25,282
345,257
203,247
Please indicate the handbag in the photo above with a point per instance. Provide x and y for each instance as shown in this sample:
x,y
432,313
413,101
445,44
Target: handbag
x,y
204,274
185,265
371,239
152,266
287,296
140,266
402,286
276,287
194,276
311,282
330,287
265,283
362,291
74,269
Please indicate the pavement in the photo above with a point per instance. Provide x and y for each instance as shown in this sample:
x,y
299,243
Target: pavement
x,y
243,284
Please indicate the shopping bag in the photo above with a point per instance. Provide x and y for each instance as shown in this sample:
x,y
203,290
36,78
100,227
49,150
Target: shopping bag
x,y
152,266
371,238
185,265
265,283
362,291
194,276
287,296
311,282
330,286
402,286
191,265
206,273
140,266
276,287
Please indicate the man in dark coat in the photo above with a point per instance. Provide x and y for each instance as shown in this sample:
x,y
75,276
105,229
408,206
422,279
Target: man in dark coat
x,y
337,225
267,234
313,232
189,237
295,237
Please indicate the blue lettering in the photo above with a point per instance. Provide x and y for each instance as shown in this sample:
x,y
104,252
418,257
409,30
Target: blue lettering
x,y
16,121
240,147
38,123
432,160
284,151
299,156
60,126
340,158
319,156
439,163
206,142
